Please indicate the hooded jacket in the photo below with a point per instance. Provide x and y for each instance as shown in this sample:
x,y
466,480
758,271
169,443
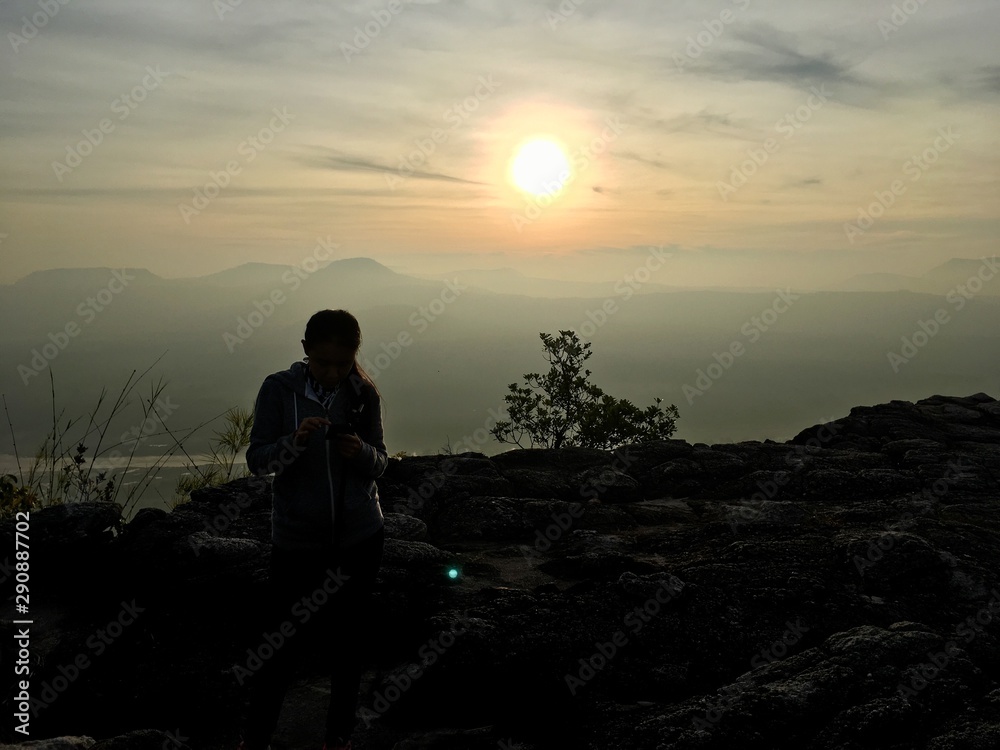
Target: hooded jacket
x,y
307,501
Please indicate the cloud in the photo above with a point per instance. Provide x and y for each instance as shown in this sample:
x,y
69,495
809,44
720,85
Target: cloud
x,y
638,251
710,122
632,156
772,55
343,162
988,78
141,193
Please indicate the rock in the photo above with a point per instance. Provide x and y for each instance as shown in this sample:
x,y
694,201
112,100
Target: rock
x,y
479,517
608,484
811,583
57,743
405,527
554,517
411,552
660,512
548,472
650,585
140,739
483,738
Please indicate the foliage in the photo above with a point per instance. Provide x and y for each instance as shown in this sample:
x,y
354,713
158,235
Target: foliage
x,y
562,408
15,498
56,477
227,446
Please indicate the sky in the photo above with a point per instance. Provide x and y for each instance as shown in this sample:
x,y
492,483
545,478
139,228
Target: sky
x,y
749,137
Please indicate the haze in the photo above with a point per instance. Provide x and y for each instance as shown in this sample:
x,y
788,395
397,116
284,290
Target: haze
x,y
834,163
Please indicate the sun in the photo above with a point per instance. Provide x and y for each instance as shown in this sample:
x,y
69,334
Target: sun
x,y
540,167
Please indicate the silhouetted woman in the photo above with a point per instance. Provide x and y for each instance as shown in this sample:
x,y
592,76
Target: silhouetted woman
x,y
318,427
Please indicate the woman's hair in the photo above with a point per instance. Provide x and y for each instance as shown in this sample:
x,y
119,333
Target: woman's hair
x,y
339,327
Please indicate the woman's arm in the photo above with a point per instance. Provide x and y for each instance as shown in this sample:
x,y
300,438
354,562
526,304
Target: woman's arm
x,y
270,450
372,459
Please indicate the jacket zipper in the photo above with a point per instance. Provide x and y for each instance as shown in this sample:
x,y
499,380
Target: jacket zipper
x,y
333,505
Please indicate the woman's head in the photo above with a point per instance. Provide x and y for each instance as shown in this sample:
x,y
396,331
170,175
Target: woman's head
x,y
332,341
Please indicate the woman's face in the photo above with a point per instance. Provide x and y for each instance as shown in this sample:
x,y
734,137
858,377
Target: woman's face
x,y
329,362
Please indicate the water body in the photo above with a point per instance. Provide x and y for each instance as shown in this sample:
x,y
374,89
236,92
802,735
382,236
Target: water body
x,y
138,486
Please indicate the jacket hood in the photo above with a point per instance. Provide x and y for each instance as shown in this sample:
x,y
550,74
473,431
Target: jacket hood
x,y
294,378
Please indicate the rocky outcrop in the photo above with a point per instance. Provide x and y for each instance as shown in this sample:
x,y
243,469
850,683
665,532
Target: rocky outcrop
x,y
839,590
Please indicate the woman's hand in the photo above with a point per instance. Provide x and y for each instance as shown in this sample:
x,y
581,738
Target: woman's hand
x,y
306,427
348,445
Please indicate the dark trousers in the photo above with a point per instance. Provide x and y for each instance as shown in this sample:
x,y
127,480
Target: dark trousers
x,y
302,581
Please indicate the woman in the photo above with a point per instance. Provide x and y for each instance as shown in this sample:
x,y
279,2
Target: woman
x,y
318,427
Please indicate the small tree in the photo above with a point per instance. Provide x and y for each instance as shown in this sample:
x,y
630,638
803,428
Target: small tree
x,y
569,410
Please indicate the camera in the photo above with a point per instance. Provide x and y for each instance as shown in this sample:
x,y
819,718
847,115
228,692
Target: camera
x,y
338,428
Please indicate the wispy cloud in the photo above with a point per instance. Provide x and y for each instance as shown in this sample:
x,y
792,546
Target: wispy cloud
x,y
338,161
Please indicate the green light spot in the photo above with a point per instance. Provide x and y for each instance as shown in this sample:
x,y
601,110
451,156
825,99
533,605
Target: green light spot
x,y
453,573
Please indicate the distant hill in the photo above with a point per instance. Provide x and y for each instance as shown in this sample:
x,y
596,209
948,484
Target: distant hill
x,y
85,278
880,282
939,280
512,281
255,273
251,273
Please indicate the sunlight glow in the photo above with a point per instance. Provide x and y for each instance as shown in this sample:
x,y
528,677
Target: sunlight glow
x,y
540,167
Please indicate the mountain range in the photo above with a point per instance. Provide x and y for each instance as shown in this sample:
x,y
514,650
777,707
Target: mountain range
x,y
738,364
